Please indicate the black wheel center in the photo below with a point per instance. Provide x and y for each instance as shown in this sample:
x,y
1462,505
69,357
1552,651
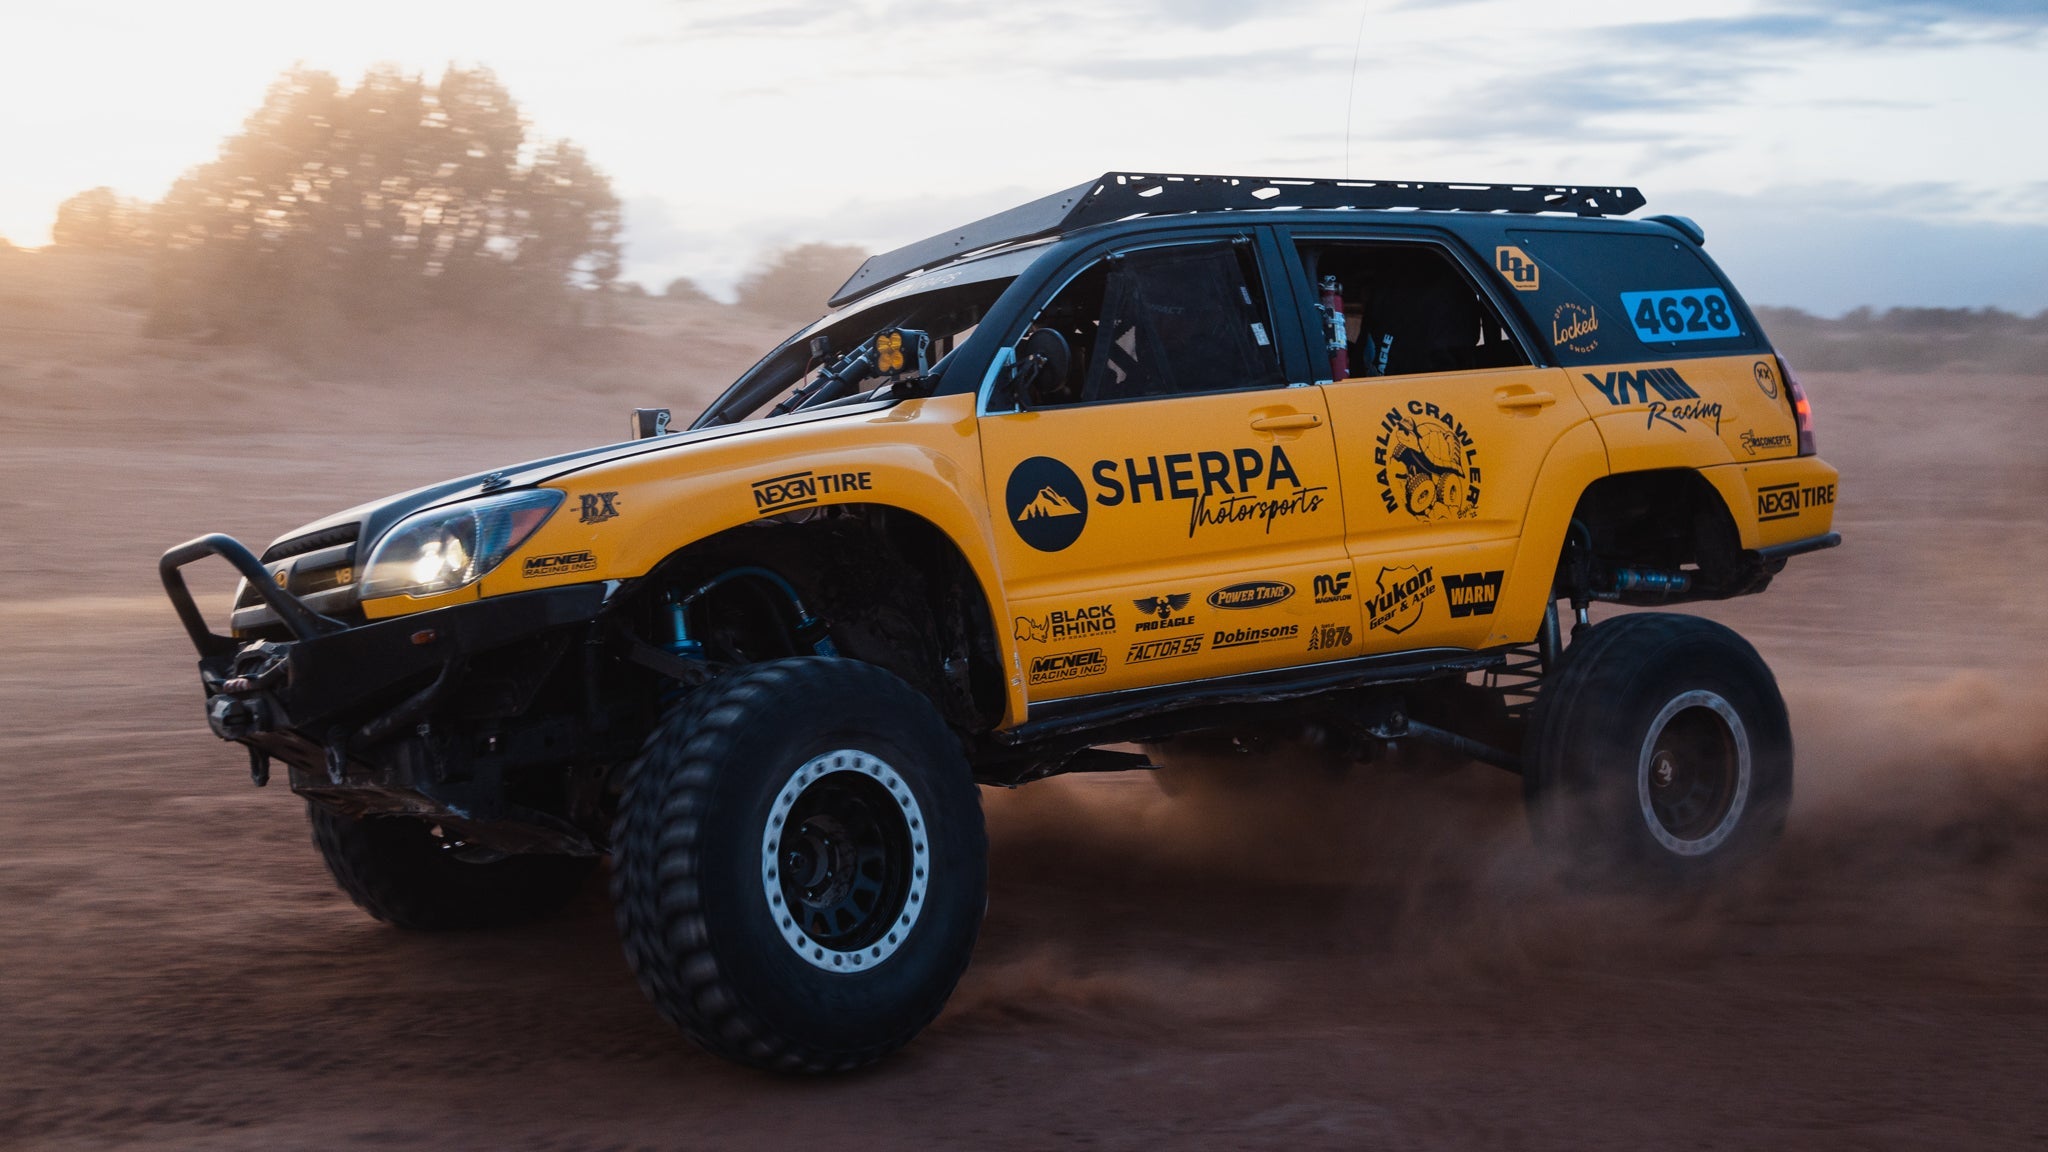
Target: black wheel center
x,y
845,856
1694,773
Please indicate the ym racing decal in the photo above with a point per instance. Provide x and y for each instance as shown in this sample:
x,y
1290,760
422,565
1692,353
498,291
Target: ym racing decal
x,y
1426,463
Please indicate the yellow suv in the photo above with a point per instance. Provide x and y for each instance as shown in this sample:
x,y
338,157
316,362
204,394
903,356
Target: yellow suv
x,y
1149,460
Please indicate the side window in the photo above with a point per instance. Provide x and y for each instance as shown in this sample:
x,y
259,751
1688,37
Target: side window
x,y
1620,296
1390,309
1165,321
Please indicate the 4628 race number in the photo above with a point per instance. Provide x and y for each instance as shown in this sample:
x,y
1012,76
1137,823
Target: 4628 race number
x,y
1680,314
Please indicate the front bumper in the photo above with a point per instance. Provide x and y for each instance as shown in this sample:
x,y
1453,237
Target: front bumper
x,y
334,689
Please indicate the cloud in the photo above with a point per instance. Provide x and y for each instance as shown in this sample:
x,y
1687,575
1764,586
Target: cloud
x,y
711,18
1805,24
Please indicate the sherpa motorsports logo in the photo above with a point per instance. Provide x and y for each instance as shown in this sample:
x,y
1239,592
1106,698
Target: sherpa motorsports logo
x,y
556,564
1068,666
1251,594
800,489
1060,624
1472,594
1241,486
1048,507
1402,593
1427,463
1162,612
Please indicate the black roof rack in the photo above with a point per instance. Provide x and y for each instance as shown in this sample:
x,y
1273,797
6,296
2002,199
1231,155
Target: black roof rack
x,y
1122,195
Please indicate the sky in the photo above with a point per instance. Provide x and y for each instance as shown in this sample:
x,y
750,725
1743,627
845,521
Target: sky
x,y
1845,153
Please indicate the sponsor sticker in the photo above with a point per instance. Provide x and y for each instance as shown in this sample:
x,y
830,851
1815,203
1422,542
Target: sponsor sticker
x,y
1165,649
1575,327
597,507
1766,378
1251,594
1427,464
556,564
1676,414
1325,637
1068,666
1221,488
1048,507
1159,612
1061,624
1679,314
1753,443
1244,637
1333,587
1472,594
1623,388
1517,267
798,489
1398,604
1784,501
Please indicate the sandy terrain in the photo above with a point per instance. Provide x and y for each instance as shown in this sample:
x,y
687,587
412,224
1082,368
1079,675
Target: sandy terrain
x,y
1369,962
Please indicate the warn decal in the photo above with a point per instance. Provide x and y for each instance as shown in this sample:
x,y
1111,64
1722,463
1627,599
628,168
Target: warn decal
x,y
1472,594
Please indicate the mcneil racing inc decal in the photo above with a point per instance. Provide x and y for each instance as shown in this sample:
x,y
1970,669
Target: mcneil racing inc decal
x,y
1048,506
1426,463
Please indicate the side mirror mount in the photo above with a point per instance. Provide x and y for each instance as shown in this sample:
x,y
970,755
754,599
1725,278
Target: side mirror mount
x,y
650,422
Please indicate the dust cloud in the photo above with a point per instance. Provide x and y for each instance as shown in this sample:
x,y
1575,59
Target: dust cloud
x,y
1308,957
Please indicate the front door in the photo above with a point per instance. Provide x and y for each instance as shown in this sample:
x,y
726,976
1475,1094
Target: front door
x,y
1169,500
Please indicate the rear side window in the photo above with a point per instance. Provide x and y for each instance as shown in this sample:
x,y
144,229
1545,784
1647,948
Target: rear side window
x,y
1608,296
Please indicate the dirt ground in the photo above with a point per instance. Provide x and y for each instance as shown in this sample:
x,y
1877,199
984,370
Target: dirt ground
x,y
1373,961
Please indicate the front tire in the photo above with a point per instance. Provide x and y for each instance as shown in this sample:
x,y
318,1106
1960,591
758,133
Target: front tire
x,y
398,871
1660,752
799,865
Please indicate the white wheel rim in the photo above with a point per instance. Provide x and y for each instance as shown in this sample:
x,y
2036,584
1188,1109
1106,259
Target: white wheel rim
x,y
787,924
1716,836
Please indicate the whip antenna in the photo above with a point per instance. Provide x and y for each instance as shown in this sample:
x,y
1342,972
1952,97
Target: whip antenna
x,y
1351,92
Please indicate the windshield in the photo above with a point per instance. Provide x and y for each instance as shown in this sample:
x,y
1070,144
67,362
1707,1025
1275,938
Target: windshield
x,y
836,359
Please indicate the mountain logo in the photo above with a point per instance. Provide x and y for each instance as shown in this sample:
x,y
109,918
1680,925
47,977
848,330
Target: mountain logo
x,y
1048,507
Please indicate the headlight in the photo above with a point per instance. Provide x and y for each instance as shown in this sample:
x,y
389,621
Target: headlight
x,y
446,548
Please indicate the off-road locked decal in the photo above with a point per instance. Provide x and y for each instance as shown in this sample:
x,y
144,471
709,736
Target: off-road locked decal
x,y
1426,463
1048,507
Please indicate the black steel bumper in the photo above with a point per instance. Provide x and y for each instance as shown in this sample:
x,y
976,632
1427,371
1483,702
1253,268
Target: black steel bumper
x,y
331,674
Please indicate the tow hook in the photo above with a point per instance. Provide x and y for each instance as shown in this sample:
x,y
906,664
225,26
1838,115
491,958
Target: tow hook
x,y
233,717
259,766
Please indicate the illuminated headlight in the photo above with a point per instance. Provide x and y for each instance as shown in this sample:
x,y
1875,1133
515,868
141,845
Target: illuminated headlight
x,y
446,548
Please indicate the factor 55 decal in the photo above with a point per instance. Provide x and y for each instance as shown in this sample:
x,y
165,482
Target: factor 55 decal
x,y
1679,314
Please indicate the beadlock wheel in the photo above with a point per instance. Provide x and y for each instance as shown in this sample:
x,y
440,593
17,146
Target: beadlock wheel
x,y
845,863
1692,781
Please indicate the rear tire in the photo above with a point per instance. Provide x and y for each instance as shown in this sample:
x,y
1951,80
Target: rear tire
x,y
398,871
799,865
1660,752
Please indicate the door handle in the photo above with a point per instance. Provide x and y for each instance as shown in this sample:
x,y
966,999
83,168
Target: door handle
x,y
1525,400
1288,422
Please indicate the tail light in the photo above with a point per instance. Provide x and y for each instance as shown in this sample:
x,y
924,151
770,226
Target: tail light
x,y
1802,408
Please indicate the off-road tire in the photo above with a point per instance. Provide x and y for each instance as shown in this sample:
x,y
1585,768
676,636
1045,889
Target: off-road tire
x,y
395,869
1606,784
692,893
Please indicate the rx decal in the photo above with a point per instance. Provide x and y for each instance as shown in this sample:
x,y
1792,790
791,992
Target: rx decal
x,y
597,507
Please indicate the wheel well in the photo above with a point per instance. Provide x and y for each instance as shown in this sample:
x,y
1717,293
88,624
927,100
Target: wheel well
x,y
1668,521
888,587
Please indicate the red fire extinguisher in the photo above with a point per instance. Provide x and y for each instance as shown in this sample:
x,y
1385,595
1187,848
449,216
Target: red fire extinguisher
x,y
1333,328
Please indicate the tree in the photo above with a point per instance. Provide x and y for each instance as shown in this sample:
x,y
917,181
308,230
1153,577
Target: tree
x,y
797,281
390,200
683,290
98,219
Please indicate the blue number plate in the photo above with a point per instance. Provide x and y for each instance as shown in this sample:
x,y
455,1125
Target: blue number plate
x,y
1680,314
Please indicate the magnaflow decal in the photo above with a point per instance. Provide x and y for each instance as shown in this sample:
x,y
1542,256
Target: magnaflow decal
x,y
799,489
1679,314
1251,594
1162,612
1784,501
1240,486
1048,507
1061,624
1068,666
1427,463
1518,269
1333,587
597,507
1165,649
1472,594
1402,593
1575,327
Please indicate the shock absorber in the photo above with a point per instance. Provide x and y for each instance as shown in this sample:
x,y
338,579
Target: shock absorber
x,y
1332,308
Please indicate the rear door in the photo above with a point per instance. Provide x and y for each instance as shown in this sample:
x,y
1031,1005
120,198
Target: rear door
x,y
1170,500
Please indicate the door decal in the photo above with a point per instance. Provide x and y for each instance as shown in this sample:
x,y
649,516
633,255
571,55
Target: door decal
x,y
1048,506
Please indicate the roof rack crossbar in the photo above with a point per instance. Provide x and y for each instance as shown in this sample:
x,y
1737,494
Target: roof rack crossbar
x,y
1123,195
